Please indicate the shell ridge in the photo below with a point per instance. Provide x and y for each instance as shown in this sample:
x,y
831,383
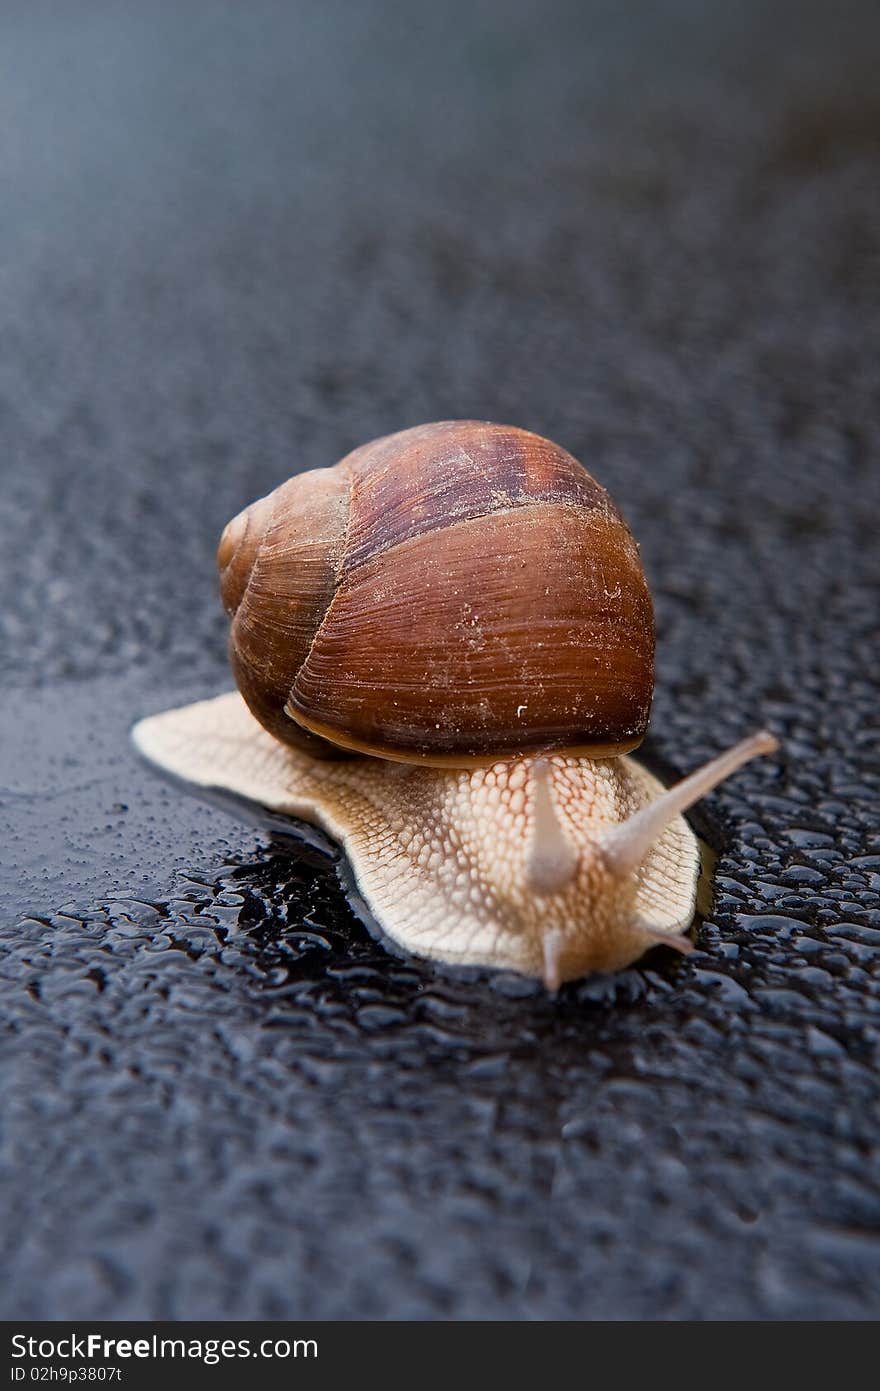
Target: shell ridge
x,y
338,582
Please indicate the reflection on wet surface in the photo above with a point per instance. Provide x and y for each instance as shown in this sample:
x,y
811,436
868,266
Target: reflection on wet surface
x,y
246,1038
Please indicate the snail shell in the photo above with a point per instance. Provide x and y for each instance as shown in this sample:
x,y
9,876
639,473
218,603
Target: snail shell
x,y
451,594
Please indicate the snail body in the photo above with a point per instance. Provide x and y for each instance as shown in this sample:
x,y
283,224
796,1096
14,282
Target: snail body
x,y
444,651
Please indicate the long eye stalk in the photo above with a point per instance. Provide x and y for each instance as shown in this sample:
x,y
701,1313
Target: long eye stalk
x,y
625,846
552,859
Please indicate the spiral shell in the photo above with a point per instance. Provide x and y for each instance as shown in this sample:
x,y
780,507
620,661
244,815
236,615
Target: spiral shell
x,y
455,593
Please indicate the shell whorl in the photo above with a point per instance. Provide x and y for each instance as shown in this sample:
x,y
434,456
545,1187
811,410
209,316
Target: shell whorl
x,y
456,592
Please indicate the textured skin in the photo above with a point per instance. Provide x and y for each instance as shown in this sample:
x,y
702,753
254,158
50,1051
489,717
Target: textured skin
x,y
442,856
238,241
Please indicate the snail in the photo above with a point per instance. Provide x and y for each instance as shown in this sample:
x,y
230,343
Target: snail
x,y
444,651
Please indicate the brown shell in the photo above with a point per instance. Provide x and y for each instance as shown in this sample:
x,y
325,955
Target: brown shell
x,y
454,592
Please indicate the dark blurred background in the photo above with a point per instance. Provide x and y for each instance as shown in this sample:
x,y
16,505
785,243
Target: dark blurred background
x,y
236,241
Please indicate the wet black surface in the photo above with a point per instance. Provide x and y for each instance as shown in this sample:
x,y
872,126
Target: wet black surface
x,y
238,241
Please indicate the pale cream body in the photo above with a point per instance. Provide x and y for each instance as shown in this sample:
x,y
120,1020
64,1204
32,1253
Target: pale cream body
x,y
451,862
